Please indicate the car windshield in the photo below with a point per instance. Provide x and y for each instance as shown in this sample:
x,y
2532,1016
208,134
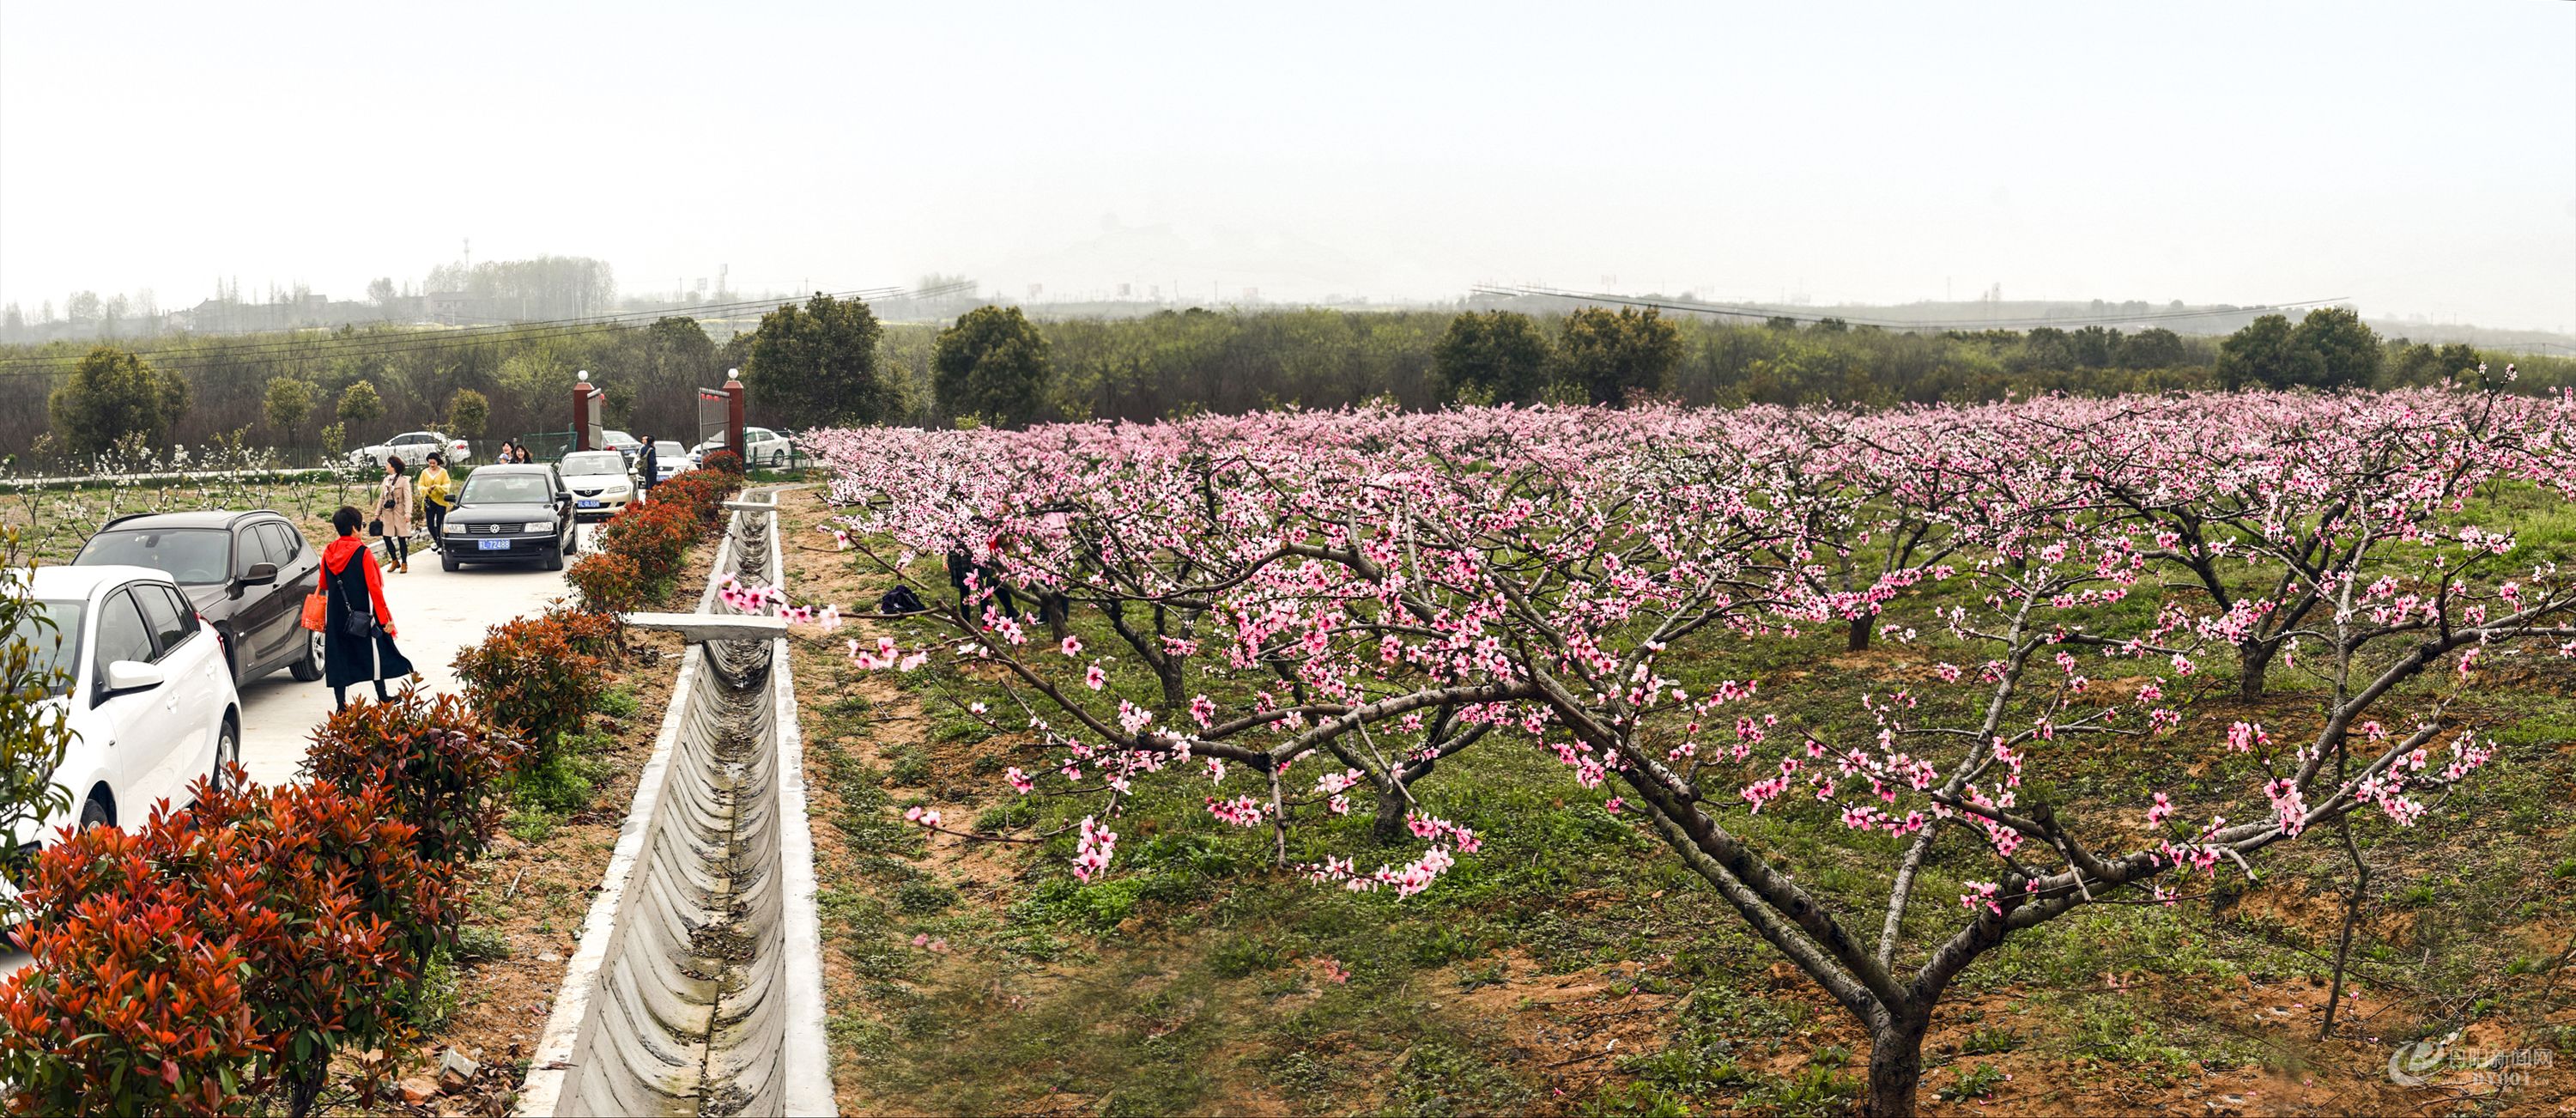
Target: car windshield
x,y
668,447
486,488
194,556
51,630
591,462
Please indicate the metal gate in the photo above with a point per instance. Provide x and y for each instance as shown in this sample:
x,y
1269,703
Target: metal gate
x,y
714,411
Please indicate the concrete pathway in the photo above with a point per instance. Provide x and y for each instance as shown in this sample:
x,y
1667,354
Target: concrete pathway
x,y
437,614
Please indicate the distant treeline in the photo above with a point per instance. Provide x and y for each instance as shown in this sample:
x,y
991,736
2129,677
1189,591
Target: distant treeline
x,y
412,379
1179,362
1000,367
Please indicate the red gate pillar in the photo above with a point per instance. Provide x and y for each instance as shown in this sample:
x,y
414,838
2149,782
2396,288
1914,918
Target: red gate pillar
x,y
581,391
733,416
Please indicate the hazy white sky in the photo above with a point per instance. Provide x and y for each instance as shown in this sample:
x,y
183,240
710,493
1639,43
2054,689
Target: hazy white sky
x,y
2418,157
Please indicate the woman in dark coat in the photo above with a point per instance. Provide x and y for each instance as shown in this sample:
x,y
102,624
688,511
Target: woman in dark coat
x,y
350,583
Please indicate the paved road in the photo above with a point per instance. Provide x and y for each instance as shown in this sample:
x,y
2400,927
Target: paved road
x,y
437,614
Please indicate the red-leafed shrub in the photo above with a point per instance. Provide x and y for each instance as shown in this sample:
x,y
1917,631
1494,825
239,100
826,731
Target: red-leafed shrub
x,y
641,549
701,492
591,634
130,1005
335,919
722,461
321,905
435,756
530,675
654,534
609,582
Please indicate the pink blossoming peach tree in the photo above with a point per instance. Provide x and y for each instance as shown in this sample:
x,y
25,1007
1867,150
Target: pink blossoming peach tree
x,y
1362,596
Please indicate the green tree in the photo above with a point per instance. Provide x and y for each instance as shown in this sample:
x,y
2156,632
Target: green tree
x,y
468,412
2458,359
1606,356
359,404
817,364
2262,355
35,654
1499,357
2152,348
2047,347
2337,349
290,402
992,364
113,395
2096,347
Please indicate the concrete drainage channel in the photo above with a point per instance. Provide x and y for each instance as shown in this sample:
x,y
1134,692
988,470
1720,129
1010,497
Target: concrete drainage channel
x,y
698,986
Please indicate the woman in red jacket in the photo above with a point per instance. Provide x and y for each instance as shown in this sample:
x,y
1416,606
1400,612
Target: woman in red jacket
x,y
357,629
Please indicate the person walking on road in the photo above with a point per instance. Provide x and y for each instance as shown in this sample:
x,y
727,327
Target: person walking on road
x,y
393,515
357,629
646,469
437,492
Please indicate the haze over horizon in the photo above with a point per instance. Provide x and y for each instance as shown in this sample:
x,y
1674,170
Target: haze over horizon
x,y
2419,160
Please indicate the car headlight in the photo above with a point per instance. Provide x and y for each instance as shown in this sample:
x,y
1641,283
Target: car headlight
x,y
456,529
538,526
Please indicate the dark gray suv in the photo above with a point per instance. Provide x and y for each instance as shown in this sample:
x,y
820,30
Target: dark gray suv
x,y
246,573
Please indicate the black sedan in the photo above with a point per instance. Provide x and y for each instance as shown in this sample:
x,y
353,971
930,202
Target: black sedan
x,y
245,572
510,514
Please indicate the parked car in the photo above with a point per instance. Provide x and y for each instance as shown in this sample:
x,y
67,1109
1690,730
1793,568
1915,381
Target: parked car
x,y
146,696
511,514
763,446
669,458
246,573
414,448
622,443
599,482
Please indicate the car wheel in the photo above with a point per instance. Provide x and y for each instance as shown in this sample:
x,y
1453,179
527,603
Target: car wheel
x,y
554,560
447,561
227,750
96,814
308,667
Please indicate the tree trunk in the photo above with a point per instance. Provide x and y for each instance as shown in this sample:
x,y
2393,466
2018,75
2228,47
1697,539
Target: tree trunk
x,y
2252,660
1388,828
1860,629
304,1088
1895,1069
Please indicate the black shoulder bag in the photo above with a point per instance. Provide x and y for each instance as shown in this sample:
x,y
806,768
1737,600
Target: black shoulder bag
x,y
355,622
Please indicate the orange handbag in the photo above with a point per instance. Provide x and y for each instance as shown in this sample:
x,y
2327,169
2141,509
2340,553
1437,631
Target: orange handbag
x,y
317,610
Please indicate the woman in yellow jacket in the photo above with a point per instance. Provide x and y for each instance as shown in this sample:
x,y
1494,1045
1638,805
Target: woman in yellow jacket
x,y
437,495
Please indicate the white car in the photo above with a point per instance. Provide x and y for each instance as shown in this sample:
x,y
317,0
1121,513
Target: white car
x,y
767,448
148,700
600,485
669,458
414,448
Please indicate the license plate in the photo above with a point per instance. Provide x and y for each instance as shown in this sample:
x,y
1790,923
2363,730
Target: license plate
x,y
493,545
587,504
